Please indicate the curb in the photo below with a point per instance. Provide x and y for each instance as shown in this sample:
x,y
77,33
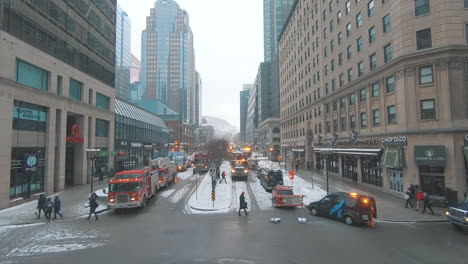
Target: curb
x,y
209,210
411,221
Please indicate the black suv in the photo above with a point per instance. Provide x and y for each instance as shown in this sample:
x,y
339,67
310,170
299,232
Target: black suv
x,y
458,215
270,178
351,208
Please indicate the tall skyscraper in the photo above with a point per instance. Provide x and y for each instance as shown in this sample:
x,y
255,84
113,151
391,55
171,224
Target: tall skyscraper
x,y
168,61
56,94
123,56
275,13
136,89
198,98
244,103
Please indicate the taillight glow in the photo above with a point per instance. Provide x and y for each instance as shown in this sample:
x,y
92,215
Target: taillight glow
x,y
365,201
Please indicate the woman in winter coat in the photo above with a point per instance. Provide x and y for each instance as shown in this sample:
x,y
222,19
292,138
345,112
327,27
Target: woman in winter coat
x,y
49,206
57,207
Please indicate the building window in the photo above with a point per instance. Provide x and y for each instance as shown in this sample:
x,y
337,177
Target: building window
x,y
390,84
342,102
29,117
335,105
359,44
363,120
330,5
428,109
362,95
76,90
375,90
335,125
333,84
325,51
350,74
31,75
391,114
349,52
340,59
328,128
348,7
327,108
358,20
352,122
341,80
324,15
343,123
326,70
59,84
325,33
387,23
376,117
388,53
373,61
332,26
332,45
348,30
370,8
333,65
425,75
102,128
423,39
421,7
102,101
340,37
466,33
338,17
352,98
372,35
360,68
465,3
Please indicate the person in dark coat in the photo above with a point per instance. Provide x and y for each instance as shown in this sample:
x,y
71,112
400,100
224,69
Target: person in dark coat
x,y
224,177
92,206
242,204
41,201
49,206
409,195
101,175
427,204
57,207
355,177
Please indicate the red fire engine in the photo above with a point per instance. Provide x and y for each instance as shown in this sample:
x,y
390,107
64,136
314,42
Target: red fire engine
x,y
167,171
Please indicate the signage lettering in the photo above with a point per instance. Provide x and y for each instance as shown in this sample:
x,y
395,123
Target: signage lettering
x,y
402,140
30,162
136,145
76,133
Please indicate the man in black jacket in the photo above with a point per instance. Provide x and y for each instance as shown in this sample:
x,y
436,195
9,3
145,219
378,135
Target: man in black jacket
x,y
57,207
41,205
242,204
93,205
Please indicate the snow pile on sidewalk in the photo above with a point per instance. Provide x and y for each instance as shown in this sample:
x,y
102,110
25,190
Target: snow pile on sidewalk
x,y
200,201
184,175
269,165
301,186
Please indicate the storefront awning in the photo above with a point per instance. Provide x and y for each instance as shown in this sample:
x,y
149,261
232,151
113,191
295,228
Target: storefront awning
x,y
126,109
391,158
351,151
430,155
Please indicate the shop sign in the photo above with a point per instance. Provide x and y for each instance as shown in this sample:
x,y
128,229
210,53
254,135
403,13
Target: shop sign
x,y
76,135
123,143
103,153
30,162
430,155
148,146
136,145
29,114
401,140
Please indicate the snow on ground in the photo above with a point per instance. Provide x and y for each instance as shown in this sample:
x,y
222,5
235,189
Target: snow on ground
x,y
175,198
200,201
185,174
263,197
301,186
166,193
269,165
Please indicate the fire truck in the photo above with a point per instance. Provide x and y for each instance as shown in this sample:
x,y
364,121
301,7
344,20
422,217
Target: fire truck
x,y
132,188
201,161
167,171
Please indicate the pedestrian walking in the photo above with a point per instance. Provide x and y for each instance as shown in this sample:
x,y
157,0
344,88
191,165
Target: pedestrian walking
x,y
427,204
408,196
242,204
92,206
101,175
419,198
49,206
224,177
297,164
218,177
41,201
355,177
57,207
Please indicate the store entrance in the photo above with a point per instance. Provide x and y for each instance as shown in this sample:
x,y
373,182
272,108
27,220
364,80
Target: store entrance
x,y
69,164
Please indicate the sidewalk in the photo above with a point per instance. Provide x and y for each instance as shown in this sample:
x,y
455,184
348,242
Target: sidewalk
x,y
74,204
389,207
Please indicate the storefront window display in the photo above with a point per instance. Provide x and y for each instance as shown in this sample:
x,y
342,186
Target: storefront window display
x,y
349,167
372,171
396,180
26,180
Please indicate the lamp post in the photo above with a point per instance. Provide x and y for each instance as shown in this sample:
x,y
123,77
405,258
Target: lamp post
x,y
327,154
92,155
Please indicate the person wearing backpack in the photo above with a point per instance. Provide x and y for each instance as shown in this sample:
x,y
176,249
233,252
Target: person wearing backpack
x,y
57,207
48,208
41,202
93,205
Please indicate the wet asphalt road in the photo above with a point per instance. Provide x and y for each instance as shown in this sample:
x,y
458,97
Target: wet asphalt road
x,y
163,233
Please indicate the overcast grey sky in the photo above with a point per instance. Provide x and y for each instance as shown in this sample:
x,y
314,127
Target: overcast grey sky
x,y
228,36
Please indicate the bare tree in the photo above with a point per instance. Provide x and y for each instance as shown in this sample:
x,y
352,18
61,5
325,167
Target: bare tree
x,y
218,150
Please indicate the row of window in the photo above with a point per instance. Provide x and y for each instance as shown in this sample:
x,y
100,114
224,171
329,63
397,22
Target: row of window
x,y
38,78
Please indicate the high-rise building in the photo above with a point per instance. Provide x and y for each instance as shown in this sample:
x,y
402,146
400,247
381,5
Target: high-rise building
x,y
168,61
275,13
123,56
377,91
198,98
252,115
244,100
56,94
136,88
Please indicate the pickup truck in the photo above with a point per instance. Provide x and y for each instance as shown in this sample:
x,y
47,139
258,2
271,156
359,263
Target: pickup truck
x,y
283,196
458,215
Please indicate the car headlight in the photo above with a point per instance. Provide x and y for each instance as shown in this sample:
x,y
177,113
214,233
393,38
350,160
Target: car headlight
x,y
245,171
132,199
447,213
112,200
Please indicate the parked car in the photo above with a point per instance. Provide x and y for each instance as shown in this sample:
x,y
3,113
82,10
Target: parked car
x,y
283,196
351,208
458,215
270,178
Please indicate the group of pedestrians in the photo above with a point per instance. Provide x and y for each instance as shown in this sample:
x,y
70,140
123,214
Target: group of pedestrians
x,y
422,198
46,205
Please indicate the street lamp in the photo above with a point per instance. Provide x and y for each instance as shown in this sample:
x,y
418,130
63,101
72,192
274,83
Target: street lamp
x,y
92,154
327,152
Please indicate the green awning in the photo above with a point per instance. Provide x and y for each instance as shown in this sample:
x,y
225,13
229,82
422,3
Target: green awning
x,y
391,157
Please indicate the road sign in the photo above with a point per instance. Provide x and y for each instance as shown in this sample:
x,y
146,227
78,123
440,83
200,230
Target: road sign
x,y
213,195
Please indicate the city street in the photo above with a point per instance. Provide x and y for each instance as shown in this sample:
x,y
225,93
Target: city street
x,y
166,232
